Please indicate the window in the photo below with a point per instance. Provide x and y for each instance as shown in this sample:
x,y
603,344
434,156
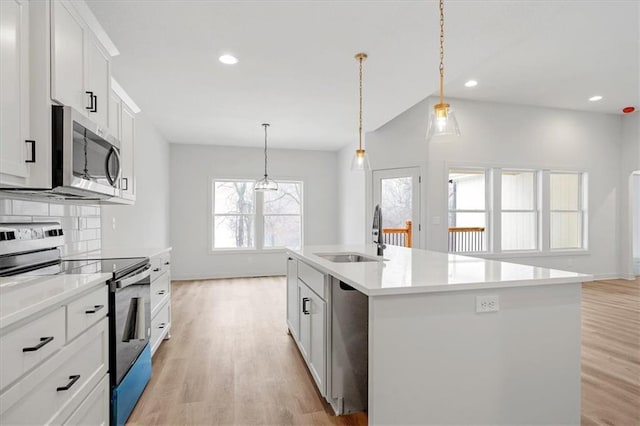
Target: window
x,y
467,210
509,210
519,210
234,214
283,216
566,211
243,219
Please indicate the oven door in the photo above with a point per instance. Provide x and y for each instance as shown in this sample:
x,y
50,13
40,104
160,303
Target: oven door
x,y
86,157
130,320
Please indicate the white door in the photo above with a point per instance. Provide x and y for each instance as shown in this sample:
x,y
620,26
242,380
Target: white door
x,y
398,193
98,81
304,306
67,58
14,88
293,313
317,309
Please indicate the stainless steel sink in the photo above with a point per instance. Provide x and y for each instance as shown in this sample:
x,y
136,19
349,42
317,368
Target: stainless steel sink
x,y
348,257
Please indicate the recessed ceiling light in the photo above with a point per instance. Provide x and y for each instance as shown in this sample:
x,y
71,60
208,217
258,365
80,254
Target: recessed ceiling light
x,y
471,83
595,98
228,59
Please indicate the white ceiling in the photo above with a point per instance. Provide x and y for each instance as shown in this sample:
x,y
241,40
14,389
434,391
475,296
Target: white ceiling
x,y
297,69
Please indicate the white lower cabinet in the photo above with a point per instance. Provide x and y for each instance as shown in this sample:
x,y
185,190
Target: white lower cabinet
x,y
310,316
160,299
94,410
52,381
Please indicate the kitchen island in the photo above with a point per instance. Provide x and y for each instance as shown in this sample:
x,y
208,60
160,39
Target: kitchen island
x,y
424,337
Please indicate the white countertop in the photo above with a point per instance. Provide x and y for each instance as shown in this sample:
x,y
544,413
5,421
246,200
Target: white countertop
x,y
23,296
407,270
119,252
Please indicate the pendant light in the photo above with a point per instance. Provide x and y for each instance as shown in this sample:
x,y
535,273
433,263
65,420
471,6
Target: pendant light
x,y
442,120
360,160
265,184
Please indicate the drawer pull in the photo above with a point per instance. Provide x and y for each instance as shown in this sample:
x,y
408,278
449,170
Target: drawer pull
x,y
156,269
161,292
304,305
95,309
43,341
72,381
167,263
161,325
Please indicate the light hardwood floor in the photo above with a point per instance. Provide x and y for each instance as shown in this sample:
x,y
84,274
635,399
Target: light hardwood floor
x,y
231,361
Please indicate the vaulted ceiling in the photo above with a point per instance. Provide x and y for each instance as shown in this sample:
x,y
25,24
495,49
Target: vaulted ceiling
x,y
297,69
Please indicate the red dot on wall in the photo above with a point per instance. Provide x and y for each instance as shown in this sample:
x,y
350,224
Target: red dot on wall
x,y
628,110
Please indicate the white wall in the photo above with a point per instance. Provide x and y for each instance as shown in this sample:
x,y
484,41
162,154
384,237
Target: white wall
x,y
146,223
515,136
193,166
352,199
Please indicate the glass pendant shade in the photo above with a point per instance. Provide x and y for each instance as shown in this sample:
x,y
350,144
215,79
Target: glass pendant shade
x,y
360,161
443,126
265,184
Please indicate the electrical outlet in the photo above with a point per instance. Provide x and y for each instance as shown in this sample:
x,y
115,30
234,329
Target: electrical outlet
x,y
487,304
113,223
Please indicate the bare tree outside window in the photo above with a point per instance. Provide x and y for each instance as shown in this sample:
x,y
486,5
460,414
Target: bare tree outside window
x,y
396,200
283,216
234,214
236,205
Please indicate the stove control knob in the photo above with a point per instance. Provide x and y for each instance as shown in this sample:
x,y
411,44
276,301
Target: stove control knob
x,y
11,235
3,236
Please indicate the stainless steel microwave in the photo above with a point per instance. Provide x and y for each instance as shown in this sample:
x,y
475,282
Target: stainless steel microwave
x,y
85,157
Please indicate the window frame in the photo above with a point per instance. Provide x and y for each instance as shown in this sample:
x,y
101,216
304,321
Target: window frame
x,y
301,215
498,173
493,204
581,211
258,215
487,244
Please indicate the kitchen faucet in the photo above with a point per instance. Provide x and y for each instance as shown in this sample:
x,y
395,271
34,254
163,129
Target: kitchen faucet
x,y
377,230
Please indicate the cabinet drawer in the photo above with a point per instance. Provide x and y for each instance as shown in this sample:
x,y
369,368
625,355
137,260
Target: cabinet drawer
x,y
43,337
95,409
160,289
312,278
86,311
160,325
51,393
160,265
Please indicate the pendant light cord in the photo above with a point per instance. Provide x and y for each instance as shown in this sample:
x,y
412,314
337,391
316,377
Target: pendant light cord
x,y
265,125
361,58
441,51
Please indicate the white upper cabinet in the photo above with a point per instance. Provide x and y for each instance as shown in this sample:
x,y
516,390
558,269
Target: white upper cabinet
x,y
67,57
14,92
80,65
98,81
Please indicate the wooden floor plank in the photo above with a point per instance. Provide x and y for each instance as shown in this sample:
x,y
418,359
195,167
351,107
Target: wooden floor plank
x,y
230,360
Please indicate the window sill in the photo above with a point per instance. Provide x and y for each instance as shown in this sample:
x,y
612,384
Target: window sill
x,y
533,253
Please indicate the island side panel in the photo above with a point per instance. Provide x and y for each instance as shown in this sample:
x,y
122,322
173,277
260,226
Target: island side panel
x,y
434,360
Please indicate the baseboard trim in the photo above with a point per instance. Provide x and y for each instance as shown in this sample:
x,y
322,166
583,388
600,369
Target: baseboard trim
x,y
604,277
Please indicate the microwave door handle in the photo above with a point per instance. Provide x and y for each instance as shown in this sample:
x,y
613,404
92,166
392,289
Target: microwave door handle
x,y
134,279
112,179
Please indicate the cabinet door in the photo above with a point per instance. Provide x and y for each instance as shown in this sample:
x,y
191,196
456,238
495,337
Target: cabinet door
x,y
98,81
114,115
318,349
67,58
304,334
14,89
127,141
293,313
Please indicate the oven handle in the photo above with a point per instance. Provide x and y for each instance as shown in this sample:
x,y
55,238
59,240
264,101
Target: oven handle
x,y
134,279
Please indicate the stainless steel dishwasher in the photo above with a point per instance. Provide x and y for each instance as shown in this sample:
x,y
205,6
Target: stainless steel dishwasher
x,y
349,348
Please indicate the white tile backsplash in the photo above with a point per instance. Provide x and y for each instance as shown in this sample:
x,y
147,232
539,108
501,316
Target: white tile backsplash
x,y
81,224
